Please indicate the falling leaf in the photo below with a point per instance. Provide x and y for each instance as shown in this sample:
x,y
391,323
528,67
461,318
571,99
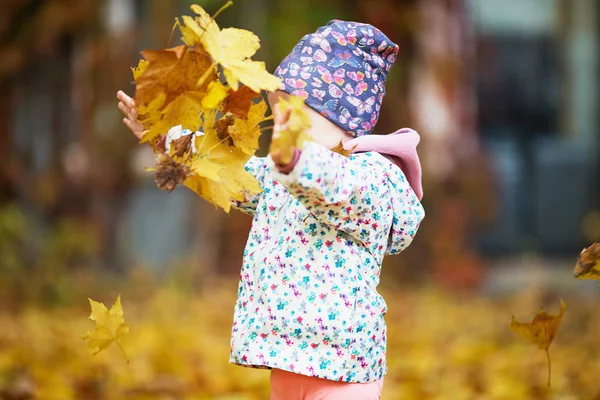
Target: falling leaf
x,y
238,102
341,150
588,264
541,331
110,327
286,141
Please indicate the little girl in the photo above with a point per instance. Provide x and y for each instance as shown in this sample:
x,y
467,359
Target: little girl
x,y
308,306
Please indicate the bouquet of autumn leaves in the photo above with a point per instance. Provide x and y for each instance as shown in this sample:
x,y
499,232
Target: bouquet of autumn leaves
x,y
210,84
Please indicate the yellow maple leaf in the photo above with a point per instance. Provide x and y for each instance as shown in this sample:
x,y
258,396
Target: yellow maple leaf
x,y
220,176
182,86
110,327
139,70
235,179
588,263
252,74
296,124
231,45
246,132
217,92
194,29
203,167
232,48
541,331
185,110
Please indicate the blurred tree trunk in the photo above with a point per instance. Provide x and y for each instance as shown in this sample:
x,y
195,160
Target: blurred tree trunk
x,y
441,105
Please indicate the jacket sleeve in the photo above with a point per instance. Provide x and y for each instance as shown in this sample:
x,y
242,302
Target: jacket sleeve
x,y
355,195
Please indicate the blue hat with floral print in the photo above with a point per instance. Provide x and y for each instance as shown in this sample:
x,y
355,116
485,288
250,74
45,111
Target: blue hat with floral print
x,y
340,71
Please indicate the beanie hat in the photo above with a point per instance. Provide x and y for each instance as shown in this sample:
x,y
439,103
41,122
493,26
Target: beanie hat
x,y
340,71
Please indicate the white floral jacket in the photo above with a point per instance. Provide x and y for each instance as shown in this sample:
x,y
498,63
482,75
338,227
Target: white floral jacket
x,y
307,299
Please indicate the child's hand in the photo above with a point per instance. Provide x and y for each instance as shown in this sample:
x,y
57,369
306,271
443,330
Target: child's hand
x,y
127,106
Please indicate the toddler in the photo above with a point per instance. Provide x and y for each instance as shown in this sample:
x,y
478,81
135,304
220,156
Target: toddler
x,y
308,306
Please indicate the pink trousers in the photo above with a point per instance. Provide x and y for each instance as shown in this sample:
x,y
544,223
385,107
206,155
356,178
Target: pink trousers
x,y
289,386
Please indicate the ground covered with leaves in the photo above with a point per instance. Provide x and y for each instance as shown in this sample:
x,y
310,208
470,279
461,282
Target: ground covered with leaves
x,y
441,346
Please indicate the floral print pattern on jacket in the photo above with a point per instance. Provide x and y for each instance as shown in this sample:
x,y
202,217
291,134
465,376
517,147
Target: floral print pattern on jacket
x,y
307,298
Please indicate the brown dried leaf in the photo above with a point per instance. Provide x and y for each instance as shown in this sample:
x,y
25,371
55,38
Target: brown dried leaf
x,y
182,145
588,263
169,173
238,102
222,127
541,331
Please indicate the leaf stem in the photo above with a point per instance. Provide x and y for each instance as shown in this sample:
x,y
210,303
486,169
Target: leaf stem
x,y
549,367
175,26
206,74
266,128
229,3
225,6
218,144
121,347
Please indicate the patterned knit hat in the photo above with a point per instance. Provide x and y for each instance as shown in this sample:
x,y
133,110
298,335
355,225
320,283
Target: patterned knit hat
x,y
340,71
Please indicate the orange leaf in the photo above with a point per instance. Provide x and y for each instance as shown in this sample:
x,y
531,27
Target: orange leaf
x,y
238,102
172,71
541,331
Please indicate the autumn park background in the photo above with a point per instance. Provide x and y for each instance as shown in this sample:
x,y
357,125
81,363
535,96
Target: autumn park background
x,y
506,97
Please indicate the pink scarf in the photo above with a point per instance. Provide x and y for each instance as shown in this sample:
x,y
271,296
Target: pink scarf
x,y
401,146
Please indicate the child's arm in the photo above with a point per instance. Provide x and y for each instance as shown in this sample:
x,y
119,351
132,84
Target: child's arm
x,y
355,195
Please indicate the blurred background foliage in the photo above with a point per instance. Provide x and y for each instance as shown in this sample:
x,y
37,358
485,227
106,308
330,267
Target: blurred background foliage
x,y
505,96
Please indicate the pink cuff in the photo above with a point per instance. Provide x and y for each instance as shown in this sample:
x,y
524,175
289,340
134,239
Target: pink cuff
x,y
286,169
